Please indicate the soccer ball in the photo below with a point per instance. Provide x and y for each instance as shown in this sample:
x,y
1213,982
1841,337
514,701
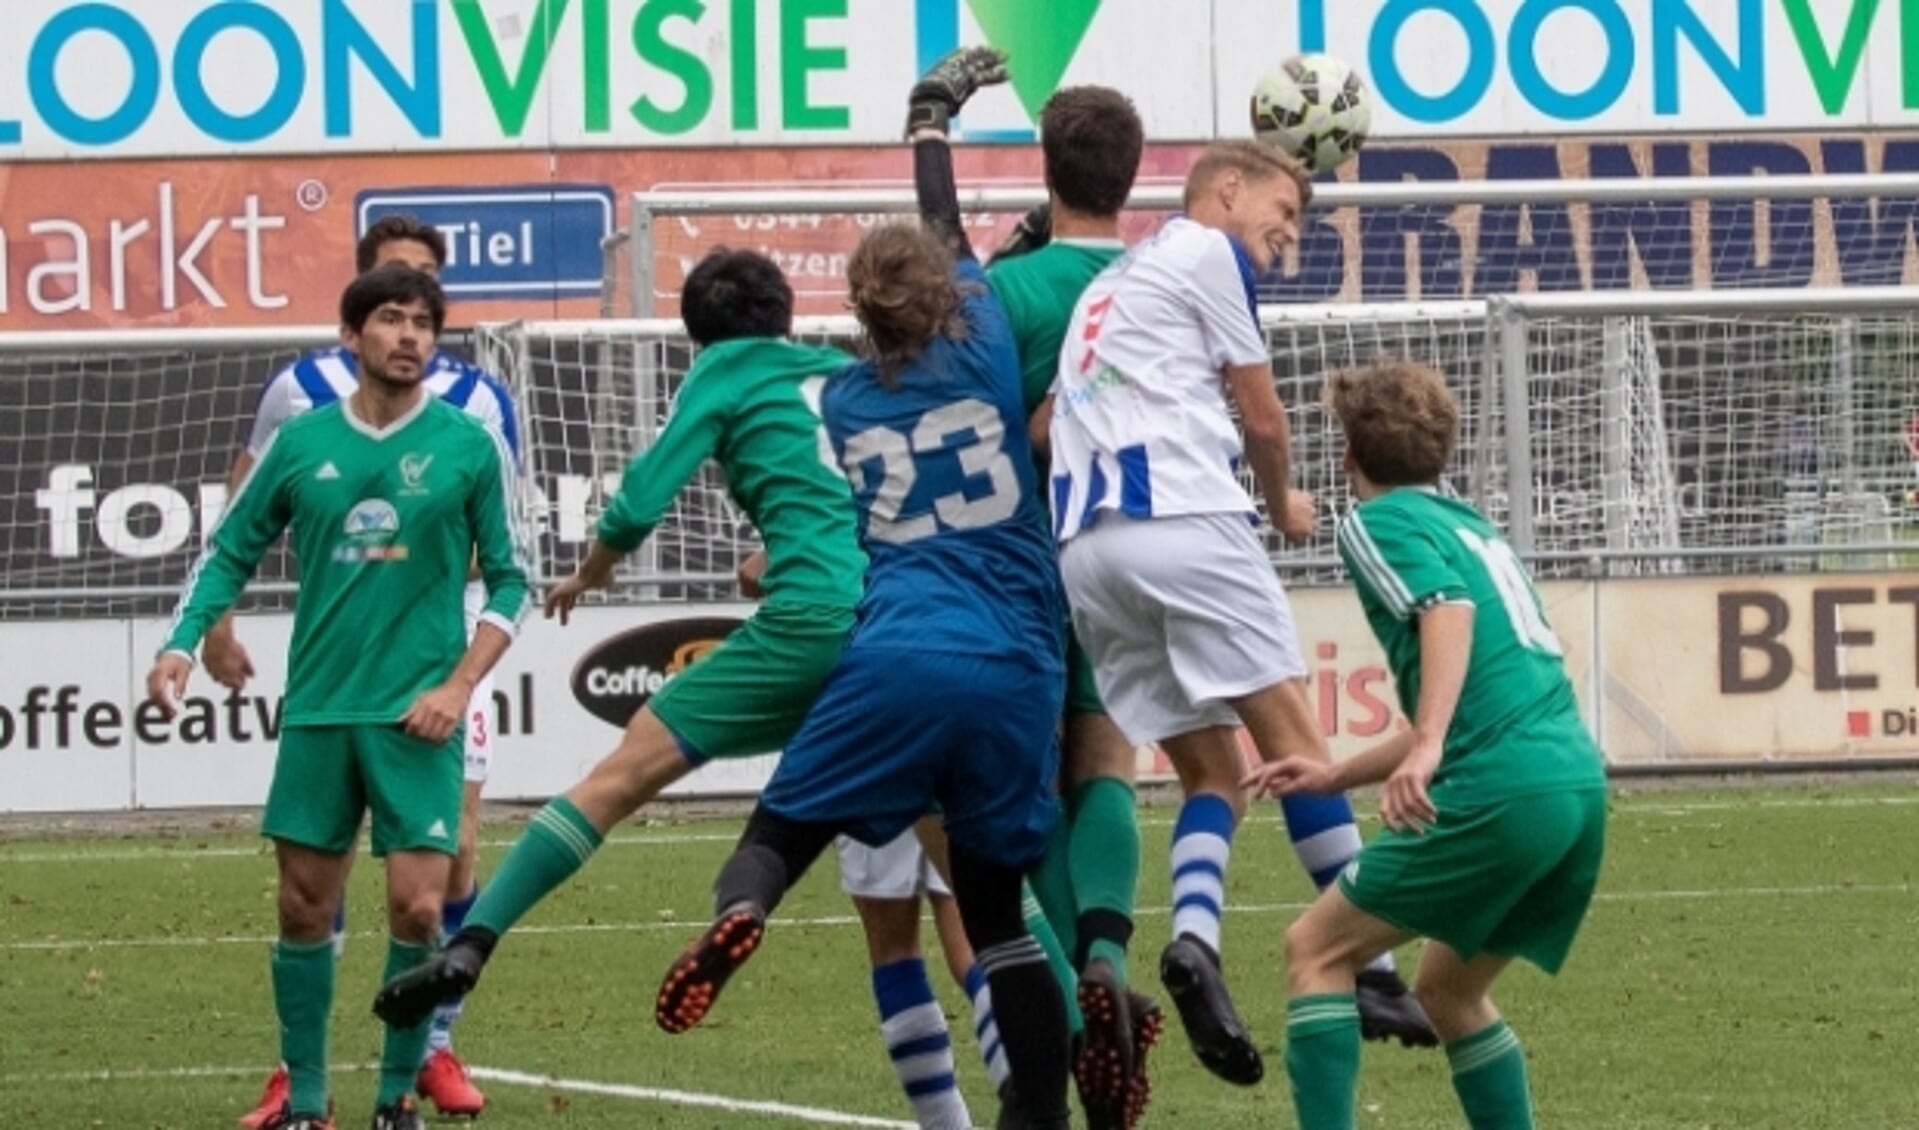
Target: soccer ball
x,y
1315,109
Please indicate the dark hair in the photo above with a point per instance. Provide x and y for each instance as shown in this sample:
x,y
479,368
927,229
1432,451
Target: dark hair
x,y
1092,139
1400,420
381,285
900,281
1254,160
389,228
733,294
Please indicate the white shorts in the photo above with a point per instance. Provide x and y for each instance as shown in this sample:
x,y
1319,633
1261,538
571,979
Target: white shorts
x,y
898,870
479,708
1177,615
479,732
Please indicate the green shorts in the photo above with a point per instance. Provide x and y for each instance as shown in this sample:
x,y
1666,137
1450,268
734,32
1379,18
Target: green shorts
x,y
749,695
1512,878
1082,692
326,777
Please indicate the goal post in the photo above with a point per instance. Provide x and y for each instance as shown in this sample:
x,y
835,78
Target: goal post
x,y
1376,241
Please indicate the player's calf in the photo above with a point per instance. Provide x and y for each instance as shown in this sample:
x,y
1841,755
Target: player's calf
x,y
1028,1002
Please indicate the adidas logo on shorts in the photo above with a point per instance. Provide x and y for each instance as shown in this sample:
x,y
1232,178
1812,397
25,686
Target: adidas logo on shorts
x,y
438,830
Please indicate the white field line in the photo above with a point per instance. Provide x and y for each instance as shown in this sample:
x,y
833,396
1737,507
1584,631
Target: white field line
x,y
1629,806
841,920
812,1114
818,1115
110,1075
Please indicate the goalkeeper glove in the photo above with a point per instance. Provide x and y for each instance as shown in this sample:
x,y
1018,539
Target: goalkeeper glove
x,y
941,92
1034,231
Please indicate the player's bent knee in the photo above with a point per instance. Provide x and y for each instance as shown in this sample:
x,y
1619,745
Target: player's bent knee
x,y
414,916
305,910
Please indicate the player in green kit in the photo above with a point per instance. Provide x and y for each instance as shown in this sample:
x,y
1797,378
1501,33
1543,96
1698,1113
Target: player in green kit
x,y
388,493
1091,139
1495,800
750,402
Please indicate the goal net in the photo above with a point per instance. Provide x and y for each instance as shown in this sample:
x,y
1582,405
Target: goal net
x,y
1721,443
117,453
1661,443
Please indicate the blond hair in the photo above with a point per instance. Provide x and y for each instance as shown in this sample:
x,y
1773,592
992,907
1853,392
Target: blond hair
x,y
1252,160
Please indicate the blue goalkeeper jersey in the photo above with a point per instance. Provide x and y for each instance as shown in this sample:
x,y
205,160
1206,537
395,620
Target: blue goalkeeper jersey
x,y
960,557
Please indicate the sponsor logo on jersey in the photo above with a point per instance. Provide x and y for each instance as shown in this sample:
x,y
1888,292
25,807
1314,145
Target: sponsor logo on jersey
x,y
327,472
370,528
620,674
413,472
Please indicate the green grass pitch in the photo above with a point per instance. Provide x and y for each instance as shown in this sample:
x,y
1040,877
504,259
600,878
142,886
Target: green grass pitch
x,y
1749,964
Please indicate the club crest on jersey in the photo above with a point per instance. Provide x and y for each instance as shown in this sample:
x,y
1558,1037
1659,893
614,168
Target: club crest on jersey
x,y
413,472
370,528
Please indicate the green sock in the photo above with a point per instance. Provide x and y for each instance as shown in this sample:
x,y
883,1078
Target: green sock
x,y
1489,1073
1052,884
405,1048
558,841
1103,861
1042,931
1322,1057
303,997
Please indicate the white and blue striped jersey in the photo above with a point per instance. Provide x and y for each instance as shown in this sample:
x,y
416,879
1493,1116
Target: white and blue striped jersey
x,y
327,375
1141,419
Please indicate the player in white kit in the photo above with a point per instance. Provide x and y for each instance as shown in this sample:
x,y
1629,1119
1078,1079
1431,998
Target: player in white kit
x,y
317,379
1173,595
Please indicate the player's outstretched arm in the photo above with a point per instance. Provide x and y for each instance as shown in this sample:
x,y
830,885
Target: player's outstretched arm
x,y
939,95
655,477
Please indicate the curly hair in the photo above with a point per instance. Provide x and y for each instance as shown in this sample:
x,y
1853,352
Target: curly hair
x,y
1401,422
900,283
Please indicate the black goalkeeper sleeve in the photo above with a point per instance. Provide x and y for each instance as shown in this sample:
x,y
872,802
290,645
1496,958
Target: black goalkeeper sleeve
x,y
938,196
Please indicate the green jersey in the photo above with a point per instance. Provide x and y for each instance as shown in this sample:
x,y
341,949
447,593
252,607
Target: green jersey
x,y
753,404
1517,728
1039,290
384,523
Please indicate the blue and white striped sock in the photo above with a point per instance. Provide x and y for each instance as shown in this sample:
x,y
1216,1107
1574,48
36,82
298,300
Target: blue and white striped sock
x,y
439,1038
1202,843
1326,838
339,929
986,1028
916,1039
